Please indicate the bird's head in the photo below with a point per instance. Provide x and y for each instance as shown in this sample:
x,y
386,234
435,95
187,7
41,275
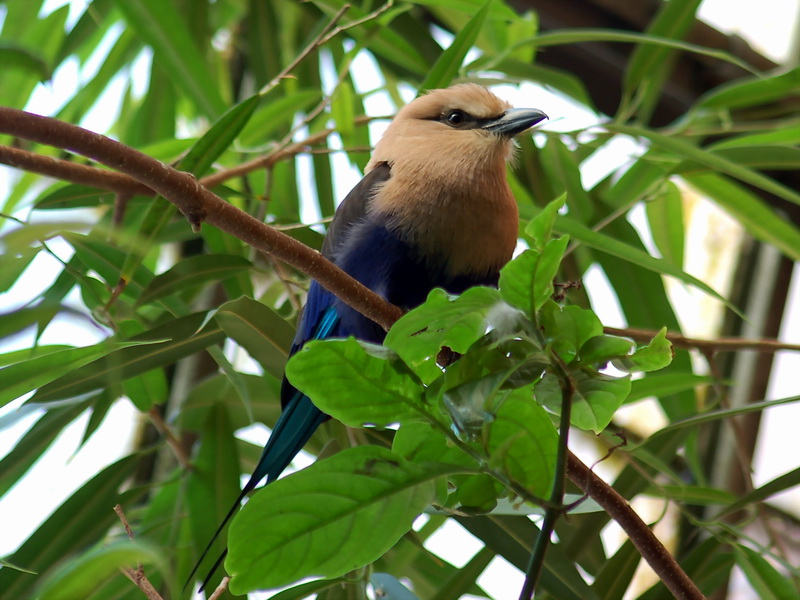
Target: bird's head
x,y
465,119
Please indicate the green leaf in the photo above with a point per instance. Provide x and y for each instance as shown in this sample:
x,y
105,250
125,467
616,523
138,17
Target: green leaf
x,y
777,485
663,385
80,576
750,210
442,73
615,577
321,521
602,348
711,160
357,383
265,335
527,281
595,397
159,347
192,272
443,320
160,25
212,484
540,228
523,440
652,357
82,520
568,328
753,91
768,583
35,443
665,217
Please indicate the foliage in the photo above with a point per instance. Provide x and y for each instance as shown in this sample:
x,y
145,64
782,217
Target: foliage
x,y
477,441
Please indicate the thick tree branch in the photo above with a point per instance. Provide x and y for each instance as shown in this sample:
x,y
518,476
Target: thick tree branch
x,y
648,545
199,204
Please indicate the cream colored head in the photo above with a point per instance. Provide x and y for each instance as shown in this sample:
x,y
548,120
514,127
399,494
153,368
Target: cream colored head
x,y
448,194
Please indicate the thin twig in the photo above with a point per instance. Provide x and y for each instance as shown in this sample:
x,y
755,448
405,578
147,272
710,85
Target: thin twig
x,y
172,439
223,585
728,344
136,575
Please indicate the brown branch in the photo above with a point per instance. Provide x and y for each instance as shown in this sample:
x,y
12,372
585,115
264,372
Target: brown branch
x,y
223,585
648,545
172,439
705,346
198,204
136,575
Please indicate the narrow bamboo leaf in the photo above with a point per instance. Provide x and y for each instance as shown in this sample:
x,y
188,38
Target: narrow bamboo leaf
x,y
446,67
759,219
777,485
19,57
265,335
192,272
212,484
90,27
73,195
321,520
615,577
302,591
665,217
82,520
566,171
443,320
662,385
789,136
357,383
158,23
696,494
35,442
156,348
649,65
219,138
772,157
275,114
576,36
752,91
23,377
768,583
709,159
79,576
604,243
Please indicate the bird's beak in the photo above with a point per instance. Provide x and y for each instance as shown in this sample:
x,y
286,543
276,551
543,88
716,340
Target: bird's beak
x,y
515,120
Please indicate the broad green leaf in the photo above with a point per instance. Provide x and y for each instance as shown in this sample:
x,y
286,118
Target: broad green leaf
x,y
568,328
442,73
527,281
321,521
79,577
443,320
357,383
595,397
258,329
192,272
147,389
523,441
540,228
652,357
159,24
602,348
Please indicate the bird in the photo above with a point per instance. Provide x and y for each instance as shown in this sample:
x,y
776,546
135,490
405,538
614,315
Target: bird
x,y
434,209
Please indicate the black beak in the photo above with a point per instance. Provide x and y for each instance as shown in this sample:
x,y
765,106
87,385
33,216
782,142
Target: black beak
x,y
515,121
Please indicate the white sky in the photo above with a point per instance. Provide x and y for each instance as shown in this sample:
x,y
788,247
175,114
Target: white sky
x,y
61,471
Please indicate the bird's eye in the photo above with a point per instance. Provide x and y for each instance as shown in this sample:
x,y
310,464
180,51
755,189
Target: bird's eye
x,y
455,117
